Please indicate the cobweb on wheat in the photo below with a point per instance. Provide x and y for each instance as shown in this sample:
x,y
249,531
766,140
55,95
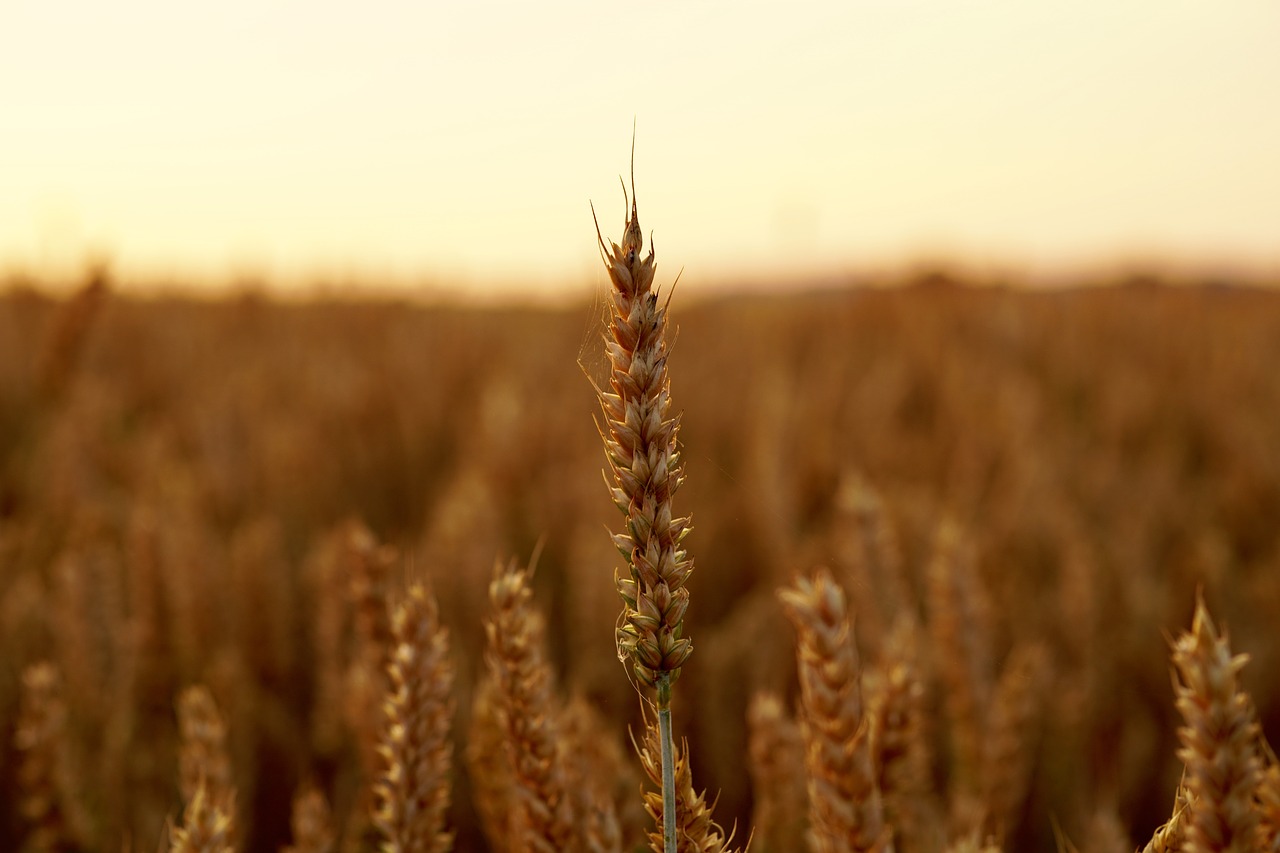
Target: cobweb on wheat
x,y
591,355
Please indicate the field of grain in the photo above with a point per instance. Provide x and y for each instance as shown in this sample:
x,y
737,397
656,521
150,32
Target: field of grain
x,y
210,510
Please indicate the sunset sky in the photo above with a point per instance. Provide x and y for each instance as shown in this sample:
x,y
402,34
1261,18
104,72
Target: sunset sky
x,y
458,144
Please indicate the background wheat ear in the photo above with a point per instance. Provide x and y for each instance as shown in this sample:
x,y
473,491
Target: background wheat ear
x,y
845,809
311,822
41,739
414,789
208,819
526,708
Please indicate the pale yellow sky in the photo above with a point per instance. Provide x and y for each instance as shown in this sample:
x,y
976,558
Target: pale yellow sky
x,y
460,142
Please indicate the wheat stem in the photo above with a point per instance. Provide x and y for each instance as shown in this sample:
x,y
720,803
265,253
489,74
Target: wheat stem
x,y
668,764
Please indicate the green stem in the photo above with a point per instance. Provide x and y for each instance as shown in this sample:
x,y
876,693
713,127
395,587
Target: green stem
x,y
668,764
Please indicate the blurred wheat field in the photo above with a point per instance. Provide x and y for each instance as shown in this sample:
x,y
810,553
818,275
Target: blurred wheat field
x,y
1020,493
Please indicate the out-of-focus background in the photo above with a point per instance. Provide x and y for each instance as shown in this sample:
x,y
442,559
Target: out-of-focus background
x,y
453,147
978,310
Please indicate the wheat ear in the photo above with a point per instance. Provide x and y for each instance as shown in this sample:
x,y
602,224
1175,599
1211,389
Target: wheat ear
x,y
206,828
203,759
1218,741
208,821
413,792
517,661
640,444
1169,837
845,811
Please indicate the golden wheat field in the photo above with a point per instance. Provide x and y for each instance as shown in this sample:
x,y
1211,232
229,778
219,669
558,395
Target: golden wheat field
x,y
264,574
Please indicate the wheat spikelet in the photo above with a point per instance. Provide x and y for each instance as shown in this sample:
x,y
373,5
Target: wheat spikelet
x,y
517,662
845,811
775,748
1218,741
640,445
414,788
311,823
696,829
1170,837
40,738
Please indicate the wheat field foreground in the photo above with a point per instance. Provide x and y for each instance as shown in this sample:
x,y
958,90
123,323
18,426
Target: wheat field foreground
x,y
977,569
